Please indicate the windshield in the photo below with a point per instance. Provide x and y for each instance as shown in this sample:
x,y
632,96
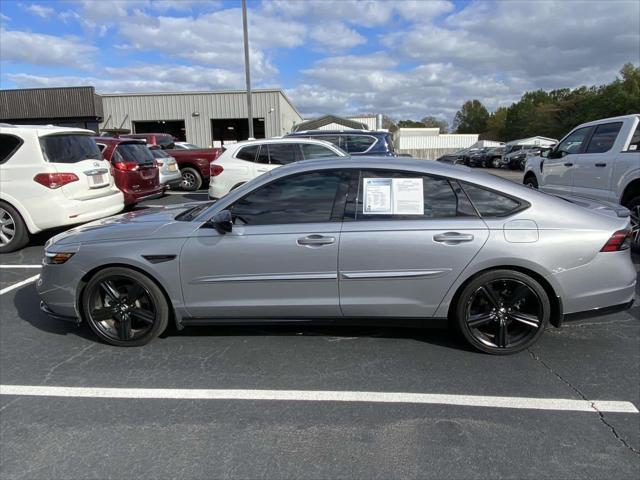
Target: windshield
x,y
164,140
70,148
133,152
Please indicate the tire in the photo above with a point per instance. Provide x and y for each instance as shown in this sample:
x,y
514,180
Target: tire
x,y
13,231
502,312
191,179
117,319
495,163
530,181
634,207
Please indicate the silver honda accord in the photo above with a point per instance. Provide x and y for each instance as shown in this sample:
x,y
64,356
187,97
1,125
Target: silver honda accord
x,y
348,239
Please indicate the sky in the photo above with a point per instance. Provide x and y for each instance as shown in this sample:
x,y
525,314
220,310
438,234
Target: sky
x,y
405,58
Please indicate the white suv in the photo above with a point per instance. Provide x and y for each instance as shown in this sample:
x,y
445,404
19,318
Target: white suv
x,y
244,161
51,177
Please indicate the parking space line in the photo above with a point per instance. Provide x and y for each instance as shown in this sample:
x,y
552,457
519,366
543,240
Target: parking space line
x,y
527,403
19,284
8,265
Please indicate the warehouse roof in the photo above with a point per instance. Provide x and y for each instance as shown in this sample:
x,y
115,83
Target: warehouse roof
x,y
316,123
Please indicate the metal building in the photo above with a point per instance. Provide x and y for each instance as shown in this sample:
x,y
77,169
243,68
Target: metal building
x,y
429,143
65,106
203,118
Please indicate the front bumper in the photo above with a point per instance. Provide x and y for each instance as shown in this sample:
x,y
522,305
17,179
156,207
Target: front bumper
x,y
66,318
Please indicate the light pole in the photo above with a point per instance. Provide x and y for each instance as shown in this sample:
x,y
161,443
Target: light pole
x,y
246,66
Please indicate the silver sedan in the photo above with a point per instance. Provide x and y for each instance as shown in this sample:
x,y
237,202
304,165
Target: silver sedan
x,y
339,240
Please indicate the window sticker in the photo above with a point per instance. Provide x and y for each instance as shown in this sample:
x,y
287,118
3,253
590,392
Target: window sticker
x,y
633,147
397,196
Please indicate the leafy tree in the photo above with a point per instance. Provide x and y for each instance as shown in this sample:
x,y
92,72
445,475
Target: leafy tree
x,y
471,118
410,124
433,122
495,125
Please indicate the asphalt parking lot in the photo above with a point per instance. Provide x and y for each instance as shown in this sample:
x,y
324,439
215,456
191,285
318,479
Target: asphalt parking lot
x,y
474,429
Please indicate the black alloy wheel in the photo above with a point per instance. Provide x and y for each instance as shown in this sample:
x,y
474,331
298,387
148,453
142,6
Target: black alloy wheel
x,y
503,312
124,307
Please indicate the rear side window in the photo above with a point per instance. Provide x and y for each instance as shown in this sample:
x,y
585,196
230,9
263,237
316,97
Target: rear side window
x,y
247,153
634,145
335,139
490,203
133,152
9,145
310,150
604,137
356,143
69,148
282,153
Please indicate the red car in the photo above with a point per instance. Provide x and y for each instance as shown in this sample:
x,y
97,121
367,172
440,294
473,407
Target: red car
x,y
193,163
134,168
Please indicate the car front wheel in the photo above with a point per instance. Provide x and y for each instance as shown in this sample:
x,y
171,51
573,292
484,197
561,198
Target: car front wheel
x,y
502,312
125,308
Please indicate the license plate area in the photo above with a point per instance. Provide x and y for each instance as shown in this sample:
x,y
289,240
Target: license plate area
x,y
98,178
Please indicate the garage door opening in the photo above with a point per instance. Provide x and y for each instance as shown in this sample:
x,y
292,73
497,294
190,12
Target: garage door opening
x,y
173,127
232,130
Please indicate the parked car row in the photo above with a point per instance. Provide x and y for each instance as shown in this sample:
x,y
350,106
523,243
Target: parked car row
x,y
495,157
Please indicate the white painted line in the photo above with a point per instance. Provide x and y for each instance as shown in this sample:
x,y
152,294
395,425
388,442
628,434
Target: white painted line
x,y
6,265
185,193
563,404
19,284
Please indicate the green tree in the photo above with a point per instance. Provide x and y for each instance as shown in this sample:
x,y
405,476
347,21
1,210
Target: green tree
x,y
410,124
433,122
495,125
471,118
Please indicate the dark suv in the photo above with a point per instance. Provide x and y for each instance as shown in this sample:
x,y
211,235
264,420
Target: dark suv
x,y
354,142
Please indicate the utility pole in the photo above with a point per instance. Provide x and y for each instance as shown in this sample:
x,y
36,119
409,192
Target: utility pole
x,y
246,66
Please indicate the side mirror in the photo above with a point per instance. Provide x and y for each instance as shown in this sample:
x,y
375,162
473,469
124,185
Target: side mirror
x,y
222,222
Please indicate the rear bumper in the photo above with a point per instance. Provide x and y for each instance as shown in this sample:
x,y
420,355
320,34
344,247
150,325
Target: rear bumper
x,y
131,198
596,312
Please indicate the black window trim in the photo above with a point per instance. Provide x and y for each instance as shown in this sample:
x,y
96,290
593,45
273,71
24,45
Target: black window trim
x,y
523,204
586,144
17,147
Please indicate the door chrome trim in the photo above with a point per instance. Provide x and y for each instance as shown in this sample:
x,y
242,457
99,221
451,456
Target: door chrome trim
x,y
394,273
266,277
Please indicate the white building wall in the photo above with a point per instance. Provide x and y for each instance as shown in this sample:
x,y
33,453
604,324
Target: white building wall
x,y
428,143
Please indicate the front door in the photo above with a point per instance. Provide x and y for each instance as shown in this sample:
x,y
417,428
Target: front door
x,y
401,262
280,259
558,167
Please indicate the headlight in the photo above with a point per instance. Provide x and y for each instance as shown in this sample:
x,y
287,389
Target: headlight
x,y
56,258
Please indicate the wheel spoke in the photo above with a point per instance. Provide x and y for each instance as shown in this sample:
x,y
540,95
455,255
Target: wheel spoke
x,y
4,238
134,294
490,295
124,327
525,318
501,335
519,294
144,316
110,290
478,320
103,313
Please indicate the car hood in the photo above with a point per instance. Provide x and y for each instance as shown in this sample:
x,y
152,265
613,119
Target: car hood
x,y
148,223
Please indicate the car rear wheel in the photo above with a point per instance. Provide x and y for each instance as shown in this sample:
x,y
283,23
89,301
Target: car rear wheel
x,y
124,307
502,312
191,179
13,231
530,181
634,207
495,163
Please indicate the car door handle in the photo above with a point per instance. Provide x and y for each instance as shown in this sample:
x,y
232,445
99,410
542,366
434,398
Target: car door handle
x,y
314,240
601,164
453,237
568,164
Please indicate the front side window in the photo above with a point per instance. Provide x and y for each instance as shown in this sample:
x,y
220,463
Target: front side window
x,y
303,198
311,150
490,203
282,153
573,143
71,148
356,143
248,153
133,152
9,144
604,137
440,198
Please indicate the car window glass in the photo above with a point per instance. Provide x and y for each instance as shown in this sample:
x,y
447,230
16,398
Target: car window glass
x,y
263,156
441,198
574,141
303,198
69,148
157,153
101,147
134,152
634,145
282,153
248,153
311,150
356,143
490,203
335,139
604,137
8,146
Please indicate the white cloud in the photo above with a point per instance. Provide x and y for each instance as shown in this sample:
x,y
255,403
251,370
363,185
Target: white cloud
x,y
4,18
40,10
335,36
40,49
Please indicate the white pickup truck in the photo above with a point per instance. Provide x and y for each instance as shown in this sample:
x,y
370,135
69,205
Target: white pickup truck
x,y
599,160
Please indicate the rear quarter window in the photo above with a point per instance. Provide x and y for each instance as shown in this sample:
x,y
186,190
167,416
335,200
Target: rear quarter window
x,y
9,144
489,203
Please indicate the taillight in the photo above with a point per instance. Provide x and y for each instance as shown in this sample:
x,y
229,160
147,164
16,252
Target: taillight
x,y
158,163
620,240
55,180
126,166
215,170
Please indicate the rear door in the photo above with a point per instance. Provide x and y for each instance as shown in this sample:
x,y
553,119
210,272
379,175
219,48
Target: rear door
x,y
409,237
558,167
78,154
272,155
594,166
